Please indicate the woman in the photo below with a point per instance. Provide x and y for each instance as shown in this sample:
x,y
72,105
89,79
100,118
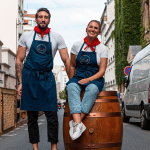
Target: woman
x,y
87,67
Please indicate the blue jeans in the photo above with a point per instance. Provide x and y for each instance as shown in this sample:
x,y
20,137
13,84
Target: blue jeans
x,y
75,104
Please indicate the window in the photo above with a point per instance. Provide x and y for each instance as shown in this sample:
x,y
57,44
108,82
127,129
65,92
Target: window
x,y
136,71
145,67
64,79
30,22
34,23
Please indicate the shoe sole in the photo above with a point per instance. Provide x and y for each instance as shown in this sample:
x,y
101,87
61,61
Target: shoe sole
x,y
83,129
70,123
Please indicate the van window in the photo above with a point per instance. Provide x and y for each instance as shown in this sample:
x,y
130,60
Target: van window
x,y
136,69
145,67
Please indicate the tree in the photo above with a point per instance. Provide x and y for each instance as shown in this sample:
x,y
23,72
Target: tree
x,y
63,95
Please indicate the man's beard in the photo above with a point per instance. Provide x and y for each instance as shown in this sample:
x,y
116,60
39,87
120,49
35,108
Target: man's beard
x,y
42,28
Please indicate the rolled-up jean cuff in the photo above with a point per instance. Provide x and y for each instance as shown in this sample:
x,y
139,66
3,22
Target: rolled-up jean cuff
x,y
75,112
53,141
85,112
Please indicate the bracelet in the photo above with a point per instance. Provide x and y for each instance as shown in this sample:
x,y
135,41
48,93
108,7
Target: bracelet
x,y
19,83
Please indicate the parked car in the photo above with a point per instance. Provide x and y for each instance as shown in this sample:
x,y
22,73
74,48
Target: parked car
x,y
136,100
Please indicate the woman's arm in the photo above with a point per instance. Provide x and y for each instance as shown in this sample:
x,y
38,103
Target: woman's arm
x,y
72,65
103,64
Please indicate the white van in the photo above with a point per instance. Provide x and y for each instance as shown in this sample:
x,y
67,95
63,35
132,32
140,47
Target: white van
x,y
136,100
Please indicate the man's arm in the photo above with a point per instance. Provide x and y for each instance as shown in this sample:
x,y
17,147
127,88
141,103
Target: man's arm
x,y
72,65
65,58
19,65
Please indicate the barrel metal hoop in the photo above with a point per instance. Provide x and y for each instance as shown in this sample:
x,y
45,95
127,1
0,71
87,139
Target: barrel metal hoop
x,y
102,114
106,100
103,99
93,145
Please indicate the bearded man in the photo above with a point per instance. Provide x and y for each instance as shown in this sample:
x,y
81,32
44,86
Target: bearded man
x,y
36,79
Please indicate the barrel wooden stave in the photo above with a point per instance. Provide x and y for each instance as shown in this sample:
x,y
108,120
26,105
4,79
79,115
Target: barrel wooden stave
x,y
107,130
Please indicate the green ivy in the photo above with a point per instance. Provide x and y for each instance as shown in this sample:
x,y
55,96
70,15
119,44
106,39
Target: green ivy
x,y
142,28
62,95
127,32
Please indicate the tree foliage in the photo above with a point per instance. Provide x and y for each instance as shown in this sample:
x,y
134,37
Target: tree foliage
x,y
62,94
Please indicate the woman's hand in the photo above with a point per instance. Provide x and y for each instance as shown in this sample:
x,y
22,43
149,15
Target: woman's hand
x,y
84,81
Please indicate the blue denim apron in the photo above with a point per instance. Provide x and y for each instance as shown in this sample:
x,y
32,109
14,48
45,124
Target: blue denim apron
x,y
86,66
38,82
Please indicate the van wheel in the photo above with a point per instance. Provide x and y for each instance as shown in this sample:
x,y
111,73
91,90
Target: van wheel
x,y
143,120
124,117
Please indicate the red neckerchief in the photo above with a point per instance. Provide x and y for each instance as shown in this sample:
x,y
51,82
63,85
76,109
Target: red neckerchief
x,y
93,43
37,30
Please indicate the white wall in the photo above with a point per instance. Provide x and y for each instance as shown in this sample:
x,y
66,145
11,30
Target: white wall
x,y
61,76
8,16
5,57
9,58
110,12
1,44
65,79
11,62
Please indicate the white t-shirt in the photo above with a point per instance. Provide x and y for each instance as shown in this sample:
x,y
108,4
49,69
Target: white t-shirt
x,y
101,50
56,39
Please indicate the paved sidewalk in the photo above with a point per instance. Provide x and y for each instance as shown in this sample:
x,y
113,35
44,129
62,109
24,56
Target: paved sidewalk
x,y
18,138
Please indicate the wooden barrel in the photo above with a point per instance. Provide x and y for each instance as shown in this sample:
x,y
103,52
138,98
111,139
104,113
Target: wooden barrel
x,y
104,127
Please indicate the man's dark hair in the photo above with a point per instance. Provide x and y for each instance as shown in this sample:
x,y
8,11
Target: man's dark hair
x,y
43,9
97,22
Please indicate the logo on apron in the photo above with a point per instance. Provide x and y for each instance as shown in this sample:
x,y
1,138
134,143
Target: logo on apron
x,y
84,59
41,48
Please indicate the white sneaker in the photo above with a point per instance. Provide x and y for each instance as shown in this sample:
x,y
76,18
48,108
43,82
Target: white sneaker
x,y
78,129
71,124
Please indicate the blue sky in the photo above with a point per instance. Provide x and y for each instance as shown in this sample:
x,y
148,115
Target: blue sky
x,y
69,17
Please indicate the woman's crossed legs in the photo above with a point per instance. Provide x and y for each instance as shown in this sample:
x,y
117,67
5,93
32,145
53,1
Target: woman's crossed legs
x,y
79,109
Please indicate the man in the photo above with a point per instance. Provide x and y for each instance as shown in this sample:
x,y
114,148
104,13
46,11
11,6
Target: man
x,y
36,79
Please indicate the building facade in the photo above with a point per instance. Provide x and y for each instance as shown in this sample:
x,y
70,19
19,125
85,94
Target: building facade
x,y
11,28
107,26
146,19
8,73
1,72
30,20
61,78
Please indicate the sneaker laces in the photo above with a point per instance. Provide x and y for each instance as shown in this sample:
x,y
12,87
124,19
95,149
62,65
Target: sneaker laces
x,y
75,127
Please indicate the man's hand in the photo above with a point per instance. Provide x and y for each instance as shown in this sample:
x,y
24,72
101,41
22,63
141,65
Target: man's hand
x,y
19,89
84,81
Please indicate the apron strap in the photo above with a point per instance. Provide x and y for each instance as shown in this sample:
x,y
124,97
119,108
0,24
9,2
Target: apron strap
x,y
49,37
83,45
34,36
